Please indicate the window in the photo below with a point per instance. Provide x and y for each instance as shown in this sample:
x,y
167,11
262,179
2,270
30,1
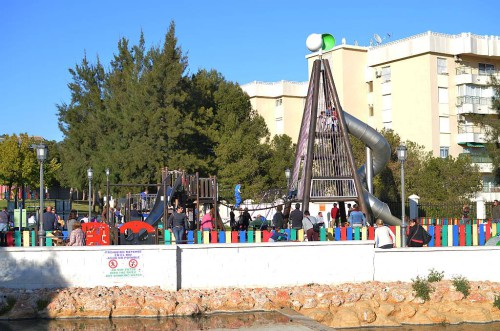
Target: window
x,y
280,125
444,152
387,111
386,74
279,102
370,87
444,124
442,95
486,69
442,69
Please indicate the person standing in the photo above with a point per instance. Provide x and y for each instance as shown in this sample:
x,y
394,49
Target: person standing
x,y
232,220
384,238
296,217
357,219
207,221
278,218
49,219
465,214
308,224
237,195
144,199
245,219
72,220
320,219
77,236
415,235
178,222
335,215
4,226
495,212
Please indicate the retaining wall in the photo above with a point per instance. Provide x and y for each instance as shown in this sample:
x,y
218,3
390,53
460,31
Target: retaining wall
x,y
236,265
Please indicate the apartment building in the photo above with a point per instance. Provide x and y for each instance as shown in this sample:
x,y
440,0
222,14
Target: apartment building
x,y
280,103
424,87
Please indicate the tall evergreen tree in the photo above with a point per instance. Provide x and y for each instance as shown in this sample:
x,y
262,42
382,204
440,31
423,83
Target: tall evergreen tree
x,y
79,122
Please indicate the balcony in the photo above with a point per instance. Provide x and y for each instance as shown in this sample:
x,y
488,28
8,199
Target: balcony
x,y
471,134
469,75
482,161
477,158
474,105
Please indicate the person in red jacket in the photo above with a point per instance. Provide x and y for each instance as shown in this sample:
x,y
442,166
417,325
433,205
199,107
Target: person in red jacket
x,y
335,216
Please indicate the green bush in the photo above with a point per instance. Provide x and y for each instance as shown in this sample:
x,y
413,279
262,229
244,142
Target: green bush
x,y
41,304
496,302
422,288
435,276
462,285
11,301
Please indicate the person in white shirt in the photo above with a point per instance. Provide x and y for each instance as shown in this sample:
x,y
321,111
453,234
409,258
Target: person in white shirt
x,y
384,238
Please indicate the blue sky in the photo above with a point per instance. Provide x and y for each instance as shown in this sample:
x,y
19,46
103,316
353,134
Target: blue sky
x,y
250,40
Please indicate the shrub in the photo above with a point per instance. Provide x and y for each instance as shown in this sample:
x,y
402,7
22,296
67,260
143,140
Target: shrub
x,y
41,304
435,276
422,288
462,285
10,302
496,302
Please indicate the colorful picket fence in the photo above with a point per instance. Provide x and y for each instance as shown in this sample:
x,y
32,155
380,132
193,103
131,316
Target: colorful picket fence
x,y
29,238
448,221
446,235
443,235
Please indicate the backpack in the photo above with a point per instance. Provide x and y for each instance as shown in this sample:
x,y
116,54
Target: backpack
x,y
426,237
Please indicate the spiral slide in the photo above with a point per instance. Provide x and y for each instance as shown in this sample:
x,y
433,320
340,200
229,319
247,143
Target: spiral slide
x,y
381,151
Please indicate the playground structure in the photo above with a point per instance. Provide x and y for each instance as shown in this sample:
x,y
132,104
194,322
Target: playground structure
x,y
177,188
324,168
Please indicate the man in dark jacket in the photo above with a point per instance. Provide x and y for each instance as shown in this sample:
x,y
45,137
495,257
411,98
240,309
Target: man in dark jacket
x,y
178,221
296,217
49,219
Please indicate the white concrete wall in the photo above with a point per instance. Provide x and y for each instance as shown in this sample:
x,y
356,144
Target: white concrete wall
x,y
403,264
275,264
52,267
237,265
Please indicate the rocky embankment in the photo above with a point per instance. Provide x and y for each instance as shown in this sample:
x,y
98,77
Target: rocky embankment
x,y
342,305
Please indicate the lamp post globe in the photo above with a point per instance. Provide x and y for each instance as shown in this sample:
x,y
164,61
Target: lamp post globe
x,y
287,175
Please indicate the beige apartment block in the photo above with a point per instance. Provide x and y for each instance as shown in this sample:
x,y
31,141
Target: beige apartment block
x,y
424,87
280,103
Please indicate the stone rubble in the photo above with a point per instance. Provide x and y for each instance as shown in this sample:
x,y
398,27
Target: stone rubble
x,y
339,306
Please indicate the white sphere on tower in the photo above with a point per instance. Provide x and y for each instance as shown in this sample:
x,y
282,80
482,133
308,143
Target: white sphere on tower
x,y
314,42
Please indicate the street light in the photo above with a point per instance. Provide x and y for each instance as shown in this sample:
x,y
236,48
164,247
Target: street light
x,y
41,154
401,150
90,174
108,214
287,175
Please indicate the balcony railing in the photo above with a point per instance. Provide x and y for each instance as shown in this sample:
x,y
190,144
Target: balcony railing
x,y
476,71
477,158
469,99
471,129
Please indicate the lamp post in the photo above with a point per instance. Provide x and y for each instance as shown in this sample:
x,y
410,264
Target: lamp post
x,y
108,214
41,154
288,172
401,150
90,174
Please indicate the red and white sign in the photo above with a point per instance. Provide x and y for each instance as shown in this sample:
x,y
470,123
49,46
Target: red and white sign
x,y
123,263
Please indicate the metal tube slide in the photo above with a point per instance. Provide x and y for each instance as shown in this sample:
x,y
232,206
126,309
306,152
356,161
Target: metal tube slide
x,y
381,152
